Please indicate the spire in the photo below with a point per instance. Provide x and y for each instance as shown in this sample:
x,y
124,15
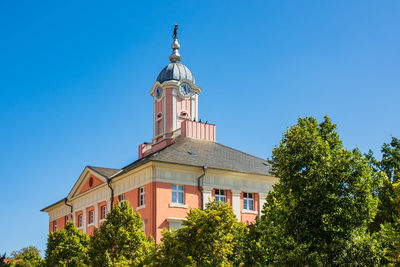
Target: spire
x,y
175,56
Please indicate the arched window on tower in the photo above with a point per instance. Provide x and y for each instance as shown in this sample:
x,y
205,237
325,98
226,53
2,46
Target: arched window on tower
x,y
158,124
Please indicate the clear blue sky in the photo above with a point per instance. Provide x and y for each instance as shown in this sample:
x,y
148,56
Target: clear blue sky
x,y
75,78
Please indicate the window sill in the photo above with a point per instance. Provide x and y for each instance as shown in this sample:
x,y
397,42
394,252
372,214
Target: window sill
x,y
141,207
177,205
90,224
250,212
102,220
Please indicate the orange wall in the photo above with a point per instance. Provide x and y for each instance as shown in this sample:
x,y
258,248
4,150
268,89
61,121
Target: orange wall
x,y
192,198
96,182
158,196
249,218
103,203
89,229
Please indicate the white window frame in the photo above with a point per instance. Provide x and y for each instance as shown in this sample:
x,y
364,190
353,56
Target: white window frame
x,y
80,220
66,219
121,199
103,212
91,217
142,193
246,201
177,192
220,195
54,225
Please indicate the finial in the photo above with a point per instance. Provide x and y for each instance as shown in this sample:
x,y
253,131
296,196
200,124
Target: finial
x,y
175,56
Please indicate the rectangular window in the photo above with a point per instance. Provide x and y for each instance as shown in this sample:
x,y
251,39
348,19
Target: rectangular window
x,y
177,194
103,212
220,195
54,226
248,201
80,220
91,217
121,199
141,196
66,219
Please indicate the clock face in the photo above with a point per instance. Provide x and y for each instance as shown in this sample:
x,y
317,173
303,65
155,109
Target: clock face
x,y
185,89
158,92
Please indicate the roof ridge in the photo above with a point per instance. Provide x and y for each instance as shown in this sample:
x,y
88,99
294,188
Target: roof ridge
x,y
90,166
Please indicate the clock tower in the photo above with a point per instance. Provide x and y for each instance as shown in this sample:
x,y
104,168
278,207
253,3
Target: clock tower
x,y
175,105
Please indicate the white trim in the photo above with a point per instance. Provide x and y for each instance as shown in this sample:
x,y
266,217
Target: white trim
x,y
193,107
236,203
197,107
175,223
177,205
249,212
165,112
141,207
170,219
178,192
207,194
90,224
174,110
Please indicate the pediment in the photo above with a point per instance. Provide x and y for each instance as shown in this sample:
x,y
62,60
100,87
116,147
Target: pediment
x,y
88,180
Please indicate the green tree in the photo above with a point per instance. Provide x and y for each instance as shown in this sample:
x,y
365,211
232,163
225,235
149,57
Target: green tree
x,y
210,237
120,240
388,211
67,247
27,257
320,208
390,230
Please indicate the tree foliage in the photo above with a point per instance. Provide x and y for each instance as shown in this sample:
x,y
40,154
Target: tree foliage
x,y
388,211
27,257
120,240
325,198
67,247
210,237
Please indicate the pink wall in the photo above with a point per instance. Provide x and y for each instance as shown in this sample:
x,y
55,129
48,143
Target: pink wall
x,y
198,130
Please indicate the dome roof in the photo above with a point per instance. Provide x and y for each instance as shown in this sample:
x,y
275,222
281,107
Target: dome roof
x,y
175,71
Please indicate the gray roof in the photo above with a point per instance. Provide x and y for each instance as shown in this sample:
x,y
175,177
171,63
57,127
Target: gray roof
x,y
175,71
105,172
195,152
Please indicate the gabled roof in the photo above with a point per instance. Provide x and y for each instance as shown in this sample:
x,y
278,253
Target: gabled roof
x,y
196,152
105,172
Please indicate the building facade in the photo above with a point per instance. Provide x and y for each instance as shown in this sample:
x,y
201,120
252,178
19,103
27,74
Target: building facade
x,y
182,167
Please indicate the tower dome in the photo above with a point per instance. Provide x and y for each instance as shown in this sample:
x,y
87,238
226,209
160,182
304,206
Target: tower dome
x,y
175,70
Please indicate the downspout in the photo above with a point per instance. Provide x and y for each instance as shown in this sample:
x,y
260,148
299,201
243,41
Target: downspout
x,y
199,185
112,193
72,208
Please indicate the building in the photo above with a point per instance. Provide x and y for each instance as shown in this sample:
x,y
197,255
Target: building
x,y
182,167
